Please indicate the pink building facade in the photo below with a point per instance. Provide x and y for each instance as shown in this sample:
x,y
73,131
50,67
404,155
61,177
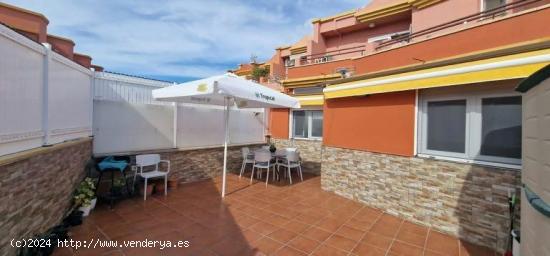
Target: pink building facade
x,y
368,29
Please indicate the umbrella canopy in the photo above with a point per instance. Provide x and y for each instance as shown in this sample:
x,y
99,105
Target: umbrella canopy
x,y
215,90
226,90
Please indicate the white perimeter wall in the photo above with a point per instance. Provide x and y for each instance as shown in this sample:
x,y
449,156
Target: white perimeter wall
x,y
44,97
127,119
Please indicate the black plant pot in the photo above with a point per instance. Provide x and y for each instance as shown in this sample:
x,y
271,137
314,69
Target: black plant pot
x,y
74,219
272,149
116,191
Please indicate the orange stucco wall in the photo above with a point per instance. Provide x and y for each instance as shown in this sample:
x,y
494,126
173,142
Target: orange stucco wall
x,y
62,46
83,60
32,23
440,13
278,123
381,123
526,27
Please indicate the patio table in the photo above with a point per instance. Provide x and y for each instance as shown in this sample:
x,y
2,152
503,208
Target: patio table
x,y
280,153
275,156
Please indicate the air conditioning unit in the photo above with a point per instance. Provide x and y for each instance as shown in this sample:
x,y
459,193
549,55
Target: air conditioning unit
x,y
289,63
344,72
322,59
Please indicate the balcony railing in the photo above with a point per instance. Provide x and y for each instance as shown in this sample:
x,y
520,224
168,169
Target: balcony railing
x,y
332,55
481,16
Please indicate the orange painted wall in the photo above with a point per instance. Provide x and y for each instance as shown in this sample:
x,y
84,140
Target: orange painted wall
x,y
62,46
83,60
278,123
381,123
24,20
526,27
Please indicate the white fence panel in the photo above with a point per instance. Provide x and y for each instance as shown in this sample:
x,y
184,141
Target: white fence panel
x,y
203,126
125,127
70,94
199,126
45,98
115,87
142,123
247,126
21,76
126,118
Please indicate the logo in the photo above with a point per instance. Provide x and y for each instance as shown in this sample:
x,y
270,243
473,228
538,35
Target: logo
x,y
202,88
265,97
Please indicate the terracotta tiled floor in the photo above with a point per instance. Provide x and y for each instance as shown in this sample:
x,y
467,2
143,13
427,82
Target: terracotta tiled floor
x,y
280,219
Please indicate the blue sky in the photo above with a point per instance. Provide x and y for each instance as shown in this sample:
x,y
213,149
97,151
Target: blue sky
x,y
181,40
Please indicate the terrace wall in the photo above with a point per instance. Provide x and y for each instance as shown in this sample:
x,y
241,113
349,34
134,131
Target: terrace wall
x,y
36,189
127,119
468,201
311,152
201,164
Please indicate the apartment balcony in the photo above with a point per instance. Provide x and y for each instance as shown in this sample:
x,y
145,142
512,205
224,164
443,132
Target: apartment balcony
x,y
463,23
521,22
338,54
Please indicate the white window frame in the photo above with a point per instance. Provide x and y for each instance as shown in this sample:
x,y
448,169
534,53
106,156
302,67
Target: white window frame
x,y
483,5
309,123
473,129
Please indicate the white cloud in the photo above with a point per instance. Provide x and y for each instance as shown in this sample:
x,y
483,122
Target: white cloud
x,y
181,38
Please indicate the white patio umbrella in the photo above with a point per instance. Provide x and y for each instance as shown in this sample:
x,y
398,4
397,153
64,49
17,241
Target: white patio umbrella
x,y
226,90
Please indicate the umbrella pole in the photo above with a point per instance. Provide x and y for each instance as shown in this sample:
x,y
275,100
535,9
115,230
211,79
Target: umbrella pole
x,y
226,119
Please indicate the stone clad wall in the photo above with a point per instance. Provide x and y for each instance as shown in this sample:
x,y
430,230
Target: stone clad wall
x,y
311,152
36,188
201,164
468,201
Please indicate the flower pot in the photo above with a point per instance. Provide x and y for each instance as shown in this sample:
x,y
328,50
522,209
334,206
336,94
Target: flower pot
x,y
149,189
85,210
74,219
159,187
93,203
116,191
173,183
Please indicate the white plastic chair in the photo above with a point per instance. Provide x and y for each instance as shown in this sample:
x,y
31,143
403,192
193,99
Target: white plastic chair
x,y
151,160
262,160
266,147
284,151
247,159
292,161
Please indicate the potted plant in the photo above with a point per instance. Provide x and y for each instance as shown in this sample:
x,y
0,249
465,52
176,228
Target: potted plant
x,y
74,218
272,148
85,197
173,182
159,187
118,185
149,191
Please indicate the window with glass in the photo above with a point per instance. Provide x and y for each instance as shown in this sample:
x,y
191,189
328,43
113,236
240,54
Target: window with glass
x,y
492,4
474,127
307,124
